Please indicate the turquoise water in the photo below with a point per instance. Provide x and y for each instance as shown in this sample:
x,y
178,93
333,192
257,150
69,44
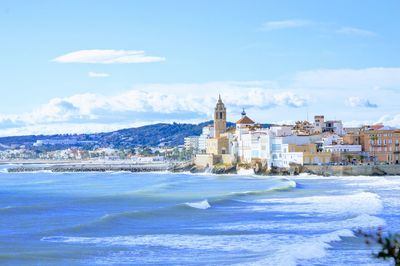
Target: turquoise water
x,y
184,219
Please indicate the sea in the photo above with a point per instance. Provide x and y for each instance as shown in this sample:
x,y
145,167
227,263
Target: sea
x,y
162,218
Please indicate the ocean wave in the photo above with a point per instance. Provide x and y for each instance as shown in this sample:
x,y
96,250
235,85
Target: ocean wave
x,y
361,221
22,209
310,248
168,211
373,182
203,205
280,249
286,185
352,204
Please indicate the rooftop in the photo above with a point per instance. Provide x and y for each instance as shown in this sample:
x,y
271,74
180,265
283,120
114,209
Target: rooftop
x,y
245,120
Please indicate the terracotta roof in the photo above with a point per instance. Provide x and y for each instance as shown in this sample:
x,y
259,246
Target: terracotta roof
x,y
377,127
245,120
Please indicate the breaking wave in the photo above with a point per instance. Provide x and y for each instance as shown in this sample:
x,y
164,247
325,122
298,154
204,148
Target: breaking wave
x,y
281,249
203,205
353,204
286,185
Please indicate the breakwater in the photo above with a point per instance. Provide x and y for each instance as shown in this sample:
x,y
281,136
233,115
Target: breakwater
x,y
352,170
93,168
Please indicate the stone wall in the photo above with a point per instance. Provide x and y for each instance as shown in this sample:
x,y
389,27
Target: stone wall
x,y
228,159
206,160
348,170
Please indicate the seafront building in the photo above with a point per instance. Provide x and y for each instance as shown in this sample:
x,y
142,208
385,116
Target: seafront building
x,y
381,143
282,146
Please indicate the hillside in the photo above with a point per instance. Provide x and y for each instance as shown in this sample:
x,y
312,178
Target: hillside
x,y
150,135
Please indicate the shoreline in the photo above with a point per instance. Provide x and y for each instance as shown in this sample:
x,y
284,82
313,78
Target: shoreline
x,y
90,167
173,167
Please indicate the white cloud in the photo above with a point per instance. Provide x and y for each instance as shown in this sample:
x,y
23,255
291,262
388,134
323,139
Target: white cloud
x,y
360,102
390,120
304,94
356,31
107,57
98,75
285,24
141,105
349,78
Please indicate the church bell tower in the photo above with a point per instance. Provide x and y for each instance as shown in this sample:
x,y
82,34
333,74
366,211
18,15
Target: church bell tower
x,y
219,118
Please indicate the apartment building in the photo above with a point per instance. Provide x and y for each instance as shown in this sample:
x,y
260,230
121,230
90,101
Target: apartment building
x,y
381,144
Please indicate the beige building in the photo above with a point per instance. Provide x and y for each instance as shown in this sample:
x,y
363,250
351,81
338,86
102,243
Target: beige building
x,y
218,145
352,138
219,118
319,123
311,155
381,144
217,148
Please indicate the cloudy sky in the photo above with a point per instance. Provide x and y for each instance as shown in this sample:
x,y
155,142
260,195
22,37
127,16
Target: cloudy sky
x,y
89,66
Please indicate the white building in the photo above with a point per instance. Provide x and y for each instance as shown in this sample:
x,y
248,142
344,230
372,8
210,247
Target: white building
x,y
263,145
332,140
281,156
334,126
208,132
254,145
191,143
342,148
281,131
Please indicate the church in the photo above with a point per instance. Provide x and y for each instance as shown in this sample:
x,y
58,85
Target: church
x,y
222,146
219,144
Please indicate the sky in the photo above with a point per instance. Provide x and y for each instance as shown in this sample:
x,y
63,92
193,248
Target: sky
x,y
92,66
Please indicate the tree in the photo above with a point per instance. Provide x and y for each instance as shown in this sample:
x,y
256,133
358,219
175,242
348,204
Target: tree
x,y
389,244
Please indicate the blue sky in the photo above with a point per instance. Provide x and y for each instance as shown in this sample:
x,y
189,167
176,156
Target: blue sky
x,y
83,66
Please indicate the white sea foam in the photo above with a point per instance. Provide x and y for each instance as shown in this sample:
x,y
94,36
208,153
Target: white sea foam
x,y
373,182
353,204
360,221
275,249
245,172
199,205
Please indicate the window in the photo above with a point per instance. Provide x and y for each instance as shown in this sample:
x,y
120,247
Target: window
x,y
276,147
220,115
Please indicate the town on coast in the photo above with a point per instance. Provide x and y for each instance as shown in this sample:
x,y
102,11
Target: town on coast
x,y
321,146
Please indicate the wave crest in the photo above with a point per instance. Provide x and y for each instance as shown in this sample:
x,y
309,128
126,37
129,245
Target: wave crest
x,y
202,205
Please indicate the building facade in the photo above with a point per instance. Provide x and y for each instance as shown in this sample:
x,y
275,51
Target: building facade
x,y
219,118
381,144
